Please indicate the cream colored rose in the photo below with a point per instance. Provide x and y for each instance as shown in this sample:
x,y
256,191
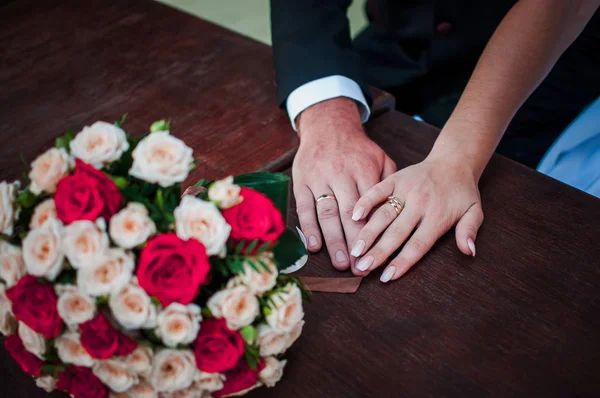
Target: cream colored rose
x,y
99,144
193,391
131,226
201,220
8,207
292,336
238,305
272,372
48,169
173,370
33,342
162,159
260,281
286,309
111,273
8,322
84,243
46,383
271,341
74,306
179,324
70,350
12,266
42,251
43,212
132,308
209,381
140,360
143,389
224,193
115,374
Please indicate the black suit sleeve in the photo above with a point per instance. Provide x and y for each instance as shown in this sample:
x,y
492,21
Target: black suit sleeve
x,y
311,40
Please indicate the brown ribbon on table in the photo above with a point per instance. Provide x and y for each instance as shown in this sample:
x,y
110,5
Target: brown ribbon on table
x,y
331,285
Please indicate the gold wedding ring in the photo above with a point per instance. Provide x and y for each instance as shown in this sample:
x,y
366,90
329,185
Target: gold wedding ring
x,y
395,203
326,196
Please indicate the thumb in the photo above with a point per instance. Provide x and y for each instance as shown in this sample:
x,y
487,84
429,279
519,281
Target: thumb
x,y
466,229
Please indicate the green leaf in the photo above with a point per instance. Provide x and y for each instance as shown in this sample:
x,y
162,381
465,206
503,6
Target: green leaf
x,y
120,182
159,200
240,247
289,249
252,246
119,123
206,313
267,311
249,334
26,199
102,300
63,141
265,246
160,125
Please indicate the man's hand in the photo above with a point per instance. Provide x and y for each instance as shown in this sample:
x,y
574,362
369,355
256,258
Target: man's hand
x,y
337,158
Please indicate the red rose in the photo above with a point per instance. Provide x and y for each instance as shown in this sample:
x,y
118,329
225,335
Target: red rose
x,y
86,195
217,348
256,217
30,364
101,340
125,346
80,382
239,378
35,305
172,269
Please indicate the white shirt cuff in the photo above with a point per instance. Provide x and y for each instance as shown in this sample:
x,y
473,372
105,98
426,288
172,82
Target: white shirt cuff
x,y
323,89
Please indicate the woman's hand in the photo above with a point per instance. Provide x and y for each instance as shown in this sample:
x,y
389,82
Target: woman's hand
x,y
437,194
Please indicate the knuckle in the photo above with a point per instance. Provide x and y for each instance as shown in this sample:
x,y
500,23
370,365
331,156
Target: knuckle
x,y
329,213
347,209
419,245
303,208
421,198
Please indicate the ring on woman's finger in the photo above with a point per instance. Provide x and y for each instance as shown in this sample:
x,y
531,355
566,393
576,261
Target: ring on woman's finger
x,y
326,196
396,203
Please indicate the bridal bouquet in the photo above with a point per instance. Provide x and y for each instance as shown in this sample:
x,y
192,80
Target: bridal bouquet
x,y
112,284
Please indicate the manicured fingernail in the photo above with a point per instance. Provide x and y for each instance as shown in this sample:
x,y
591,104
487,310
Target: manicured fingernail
x,y
358,248
357,213
388,273
341,257
471,245
364,263
313,241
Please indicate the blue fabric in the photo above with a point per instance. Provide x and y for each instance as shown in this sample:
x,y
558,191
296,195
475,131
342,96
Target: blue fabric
x,y
574,158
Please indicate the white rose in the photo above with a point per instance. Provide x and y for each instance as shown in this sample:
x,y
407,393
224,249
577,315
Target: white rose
x,y
70,350
8,322
8,207
74,306
225,193
173,370
46,383
48,169
201,220
271,341
43,212
140,360
42,250
262,280
99,144
143,389
272,372
111,273
286,309
12,266
209,381
131,226
33,342
238,305
161,158
84,243
115,374
179,324
132,308
292,336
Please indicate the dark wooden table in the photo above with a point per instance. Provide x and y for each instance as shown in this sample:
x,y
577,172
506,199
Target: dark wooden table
x,y
522,319
68,63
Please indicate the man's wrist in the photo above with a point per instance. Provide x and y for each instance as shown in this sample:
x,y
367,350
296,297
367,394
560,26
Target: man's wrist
x,y
340,113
